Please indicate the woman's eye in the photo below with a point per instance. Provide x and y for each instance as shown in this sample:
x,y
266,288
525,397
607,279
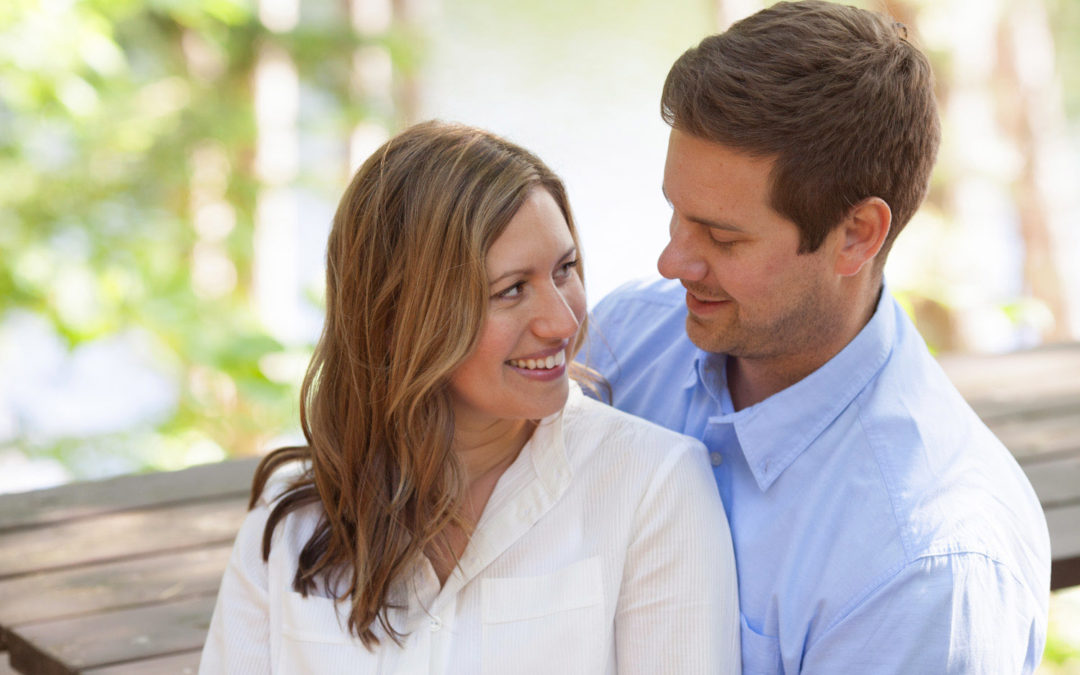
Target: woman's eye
x,y
566,269
511,292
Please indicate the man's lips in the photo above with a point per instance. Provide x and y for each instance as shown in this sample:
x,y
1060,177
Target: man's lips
x,y
703,305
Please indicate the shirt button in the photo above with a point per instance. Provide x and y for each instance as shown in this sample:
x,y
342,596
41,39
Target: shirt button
x,y
716,458
436,624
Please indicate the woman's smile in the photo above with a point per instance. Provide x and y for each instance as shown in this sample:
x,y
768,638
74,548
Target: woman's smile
x,y
544,368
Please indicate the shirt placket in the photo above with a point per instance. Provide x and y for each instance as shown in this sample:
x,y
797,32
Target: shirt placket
x,y
426,621
723,446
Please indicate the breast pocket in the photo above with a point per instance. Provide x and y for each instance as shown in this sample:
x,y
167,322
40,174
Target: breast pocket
x,y
315,639
760,653
550,624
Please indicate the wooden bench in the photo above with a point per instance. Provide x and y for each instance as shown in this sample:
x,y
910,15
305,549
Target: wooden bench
x,y
119,577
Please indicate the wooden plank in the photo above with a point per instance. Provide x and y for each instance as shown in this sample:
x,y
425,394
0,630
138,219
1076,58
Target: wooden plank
x,y
184,663
119,536
1045,434
93,498
111,638
1064,531
5,665
109,586
1064,524
1056,481
1002,385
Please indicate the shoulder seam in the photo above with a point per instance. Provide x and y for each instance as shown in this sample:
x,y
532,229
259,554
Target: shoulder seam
x,y
860,598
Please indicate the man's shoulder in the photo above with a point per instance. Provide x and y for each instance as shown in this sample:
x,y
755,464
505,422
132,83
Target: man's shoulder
x,y
953,487
639,313
638,334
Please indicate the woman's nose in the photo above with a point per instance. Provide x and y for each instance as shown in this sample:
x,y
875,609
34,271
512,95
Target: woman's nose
x,y
556,318
681,258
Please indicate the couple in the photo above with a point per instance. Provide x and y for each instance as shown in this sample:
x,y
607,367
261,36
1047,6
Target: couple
x,y
462,506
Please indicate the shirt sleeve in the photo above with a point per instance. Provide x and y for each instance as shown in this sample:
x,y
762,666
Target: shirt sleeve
x,y
598,352
954,613
678,604
238,642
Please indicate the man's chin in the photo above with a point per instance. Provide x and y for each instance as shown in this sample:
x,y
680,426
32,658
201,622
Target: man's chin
x,y
705,336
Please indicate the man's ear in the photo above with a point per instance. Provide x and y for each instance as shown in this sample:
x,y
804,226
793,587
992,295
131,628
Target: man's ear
x,y
864,230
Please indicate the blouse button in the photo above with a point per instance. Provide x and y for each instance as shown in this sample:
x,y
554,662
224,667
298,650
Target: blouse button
x,y
436,624
716,458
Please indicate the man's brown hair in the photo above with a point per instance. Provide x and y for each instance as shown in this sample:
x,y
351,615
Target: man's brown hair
x,y
837,95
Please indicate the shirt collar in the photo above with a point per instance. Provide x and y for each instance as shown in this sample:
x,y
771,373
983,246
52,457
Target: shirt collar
x,y
548,447
774,432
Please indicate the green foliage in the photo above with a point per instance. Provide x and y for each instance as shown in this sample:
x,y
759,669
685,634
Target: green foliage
x,y
103,104
1065,23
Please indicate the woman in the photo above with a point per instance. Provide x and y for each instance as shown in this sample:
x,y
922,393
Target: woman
x,y
461,507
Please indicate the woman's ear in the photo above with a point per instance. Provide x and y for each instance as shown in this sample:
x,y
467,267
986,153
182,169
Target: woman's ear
x,y
864,231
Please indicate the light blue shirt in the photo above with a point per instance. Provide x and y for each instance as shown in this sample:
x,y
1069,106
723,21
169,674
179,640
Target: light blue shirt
x,y
879,526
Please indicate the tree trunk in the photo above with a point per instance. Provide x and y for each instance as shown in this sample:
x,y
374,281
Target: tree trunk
x,y
1031,113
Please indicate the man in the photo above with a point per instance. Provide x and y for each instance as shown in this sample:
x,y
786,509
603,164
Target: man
x,y
879,527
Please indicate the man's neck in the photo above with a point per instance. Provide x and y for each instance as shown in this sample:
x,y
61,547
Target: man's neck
x,y
752,380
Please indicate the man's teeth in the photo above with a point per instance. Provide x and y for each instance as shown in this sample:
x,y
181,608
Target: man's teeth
x,y
538,364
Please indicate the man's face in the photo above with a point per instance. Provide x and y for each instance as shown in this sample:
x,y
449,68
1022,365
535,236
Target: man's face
x,y
749,293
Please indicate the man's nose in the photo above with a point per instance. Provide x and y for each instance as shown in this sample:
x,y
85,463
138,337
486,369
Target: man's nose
x,y
681,258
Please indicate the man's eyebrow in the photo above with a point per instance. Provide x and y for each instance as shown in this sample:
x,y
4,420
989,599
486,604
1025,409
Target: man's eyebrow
x,y
705,222
526,271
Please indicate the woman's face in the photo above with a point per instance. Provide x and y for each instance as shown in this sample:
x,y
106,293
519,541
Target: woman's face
x,y
518,370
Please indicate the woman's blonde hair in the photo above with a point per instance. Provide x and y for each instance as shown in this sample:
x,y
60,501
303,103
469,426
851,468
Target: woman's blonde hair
x,y
406,297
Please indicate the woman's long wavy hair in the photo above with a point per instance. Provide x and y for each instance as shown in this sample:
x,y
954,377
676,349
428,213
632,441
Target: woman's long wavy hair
x,y
406,297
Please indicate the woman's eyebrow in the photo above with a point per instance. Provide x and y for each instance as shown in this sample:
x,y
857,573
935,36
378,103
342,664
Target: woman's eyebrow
x,y
526,271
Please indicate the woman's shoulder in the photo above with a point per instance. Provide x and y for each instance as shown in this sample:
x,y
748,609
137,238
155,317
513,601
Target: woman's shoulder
x,y
293,528
595,424
628,460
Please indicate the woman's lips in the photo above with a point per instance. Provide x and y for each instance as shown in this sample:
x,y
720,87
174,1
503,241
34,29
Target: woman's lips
x,y
550,367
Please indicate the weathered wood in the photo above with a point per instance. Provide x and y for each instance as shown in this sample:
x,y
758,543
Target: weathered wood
x,y
93,498
5,666
1035,436
1056,481
109,586
111,638
1064,524
184,663
120,536
1065,574
1020,383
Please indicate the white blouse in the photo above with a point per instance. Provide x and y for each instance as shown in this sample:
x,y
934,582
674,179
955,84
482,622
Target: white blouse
x,y
603,549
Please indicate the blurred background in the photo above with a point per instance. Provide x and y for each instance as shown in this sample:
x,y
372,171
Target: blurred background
x,y
169,169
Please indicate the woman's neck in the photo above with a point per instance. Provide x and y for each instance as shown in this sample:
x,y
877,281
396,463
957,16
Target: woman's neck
x,y
486,452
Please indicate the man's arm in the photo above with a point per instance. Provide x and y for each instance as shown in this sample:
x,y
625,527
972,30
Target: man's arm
x,y
949,613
